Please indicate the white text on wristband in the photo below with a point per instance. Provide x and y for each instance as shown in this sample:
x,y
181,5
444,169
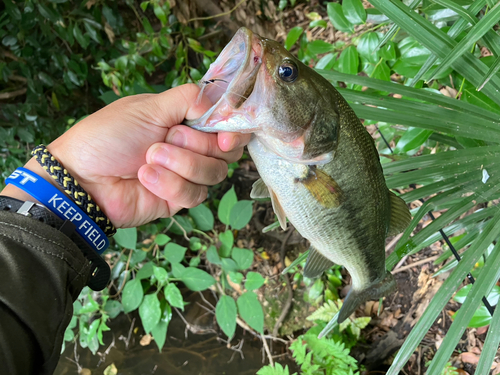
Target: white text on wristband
x,y
57,202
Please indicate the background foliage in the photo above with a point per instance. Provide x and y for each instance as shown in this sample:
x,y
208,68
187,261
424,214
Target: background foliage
x,y
424,72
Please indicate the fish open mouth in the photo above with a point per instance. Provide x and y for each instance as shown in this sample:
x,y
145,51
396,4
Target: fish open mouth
x,y
231,78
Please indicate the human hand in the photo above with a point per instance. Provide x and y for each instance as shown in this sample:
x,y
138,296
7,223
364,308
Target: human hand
x,y
138,164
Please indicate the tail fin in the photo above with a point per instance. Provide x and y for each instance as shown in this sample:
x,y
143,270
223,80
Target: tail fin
x,y
357,297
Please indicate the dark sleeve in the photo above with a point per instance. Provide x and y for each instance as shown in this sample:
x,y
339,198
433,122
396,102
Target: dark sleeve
x,y
41,273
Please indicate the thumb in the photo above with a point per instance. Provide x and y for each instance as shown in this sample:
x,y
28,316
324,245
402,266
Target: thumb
x,y
181,102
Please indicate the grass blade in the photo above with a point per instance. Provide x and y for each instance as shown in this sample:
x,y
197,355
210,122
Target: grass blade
x,y
440,44
444,294
485,281
490,345
456,29
493,70
465,14
481,28
394,28
410,92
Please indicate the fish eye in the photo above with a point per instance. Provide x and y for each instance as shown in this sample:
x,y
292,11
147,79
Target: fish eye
x,y
288,72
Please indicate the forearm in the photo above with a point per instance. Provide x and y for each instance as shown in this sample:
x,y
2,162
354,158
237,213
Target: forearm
x,y
41,273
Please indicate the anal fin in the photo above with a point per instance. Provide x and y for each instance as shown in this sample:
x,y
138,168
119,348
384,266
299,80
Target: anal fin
x,y
316,264
400,215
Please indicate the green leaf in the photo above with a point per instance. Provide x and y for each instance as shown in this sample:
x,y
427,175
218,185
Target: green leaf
x,y
367,47
250,310
48,13
132,295
160,13
126,238
174,296
337,18
227,240
150,312
25,135
326,62
276,370
213,256
229,265
241,213
411,139
92,32
381,71
113,308
180,226
236,277
196,279
225,313
348,61
162,239
146,271
243,257
317,47
80,38
254,281
178,270
293,35
481,28
282,4
203,217
226,205
388,51
160,273
174,252
354,11
159,332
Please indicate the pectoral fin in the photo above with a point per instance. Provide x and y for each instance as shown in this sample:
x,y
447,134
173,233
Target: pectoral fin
x,y
278,210
316,264
259,190
400,215
322,187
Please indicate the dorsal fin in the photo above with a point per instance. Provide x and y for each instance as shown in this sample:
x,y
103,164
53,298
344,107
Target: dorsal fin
x,y
316,264
322,187
400,215
278,210
259,190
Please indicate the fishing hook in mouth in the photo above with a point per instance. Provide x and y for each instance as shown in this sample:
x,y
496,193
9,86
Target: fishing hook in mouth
x,y
214,80
205,84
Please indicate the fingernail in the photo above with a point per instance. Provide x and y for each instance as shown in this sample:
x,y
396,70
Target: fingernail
x,y
177,139
229,144
150,176
160,156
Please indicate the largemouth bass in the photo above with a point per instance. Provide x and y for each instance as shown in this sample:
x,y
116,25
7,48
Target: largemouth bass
x,y
317,162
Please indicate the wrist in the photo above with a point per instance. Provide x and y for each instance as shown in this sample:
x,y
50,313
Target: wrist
x,y
15,192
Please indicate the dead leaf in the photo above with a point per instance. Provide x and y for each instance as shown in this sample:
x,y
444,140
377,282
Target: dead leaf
x,y
468,357
461,372
85,371
89,3
496,371
146,340
109,32
439,341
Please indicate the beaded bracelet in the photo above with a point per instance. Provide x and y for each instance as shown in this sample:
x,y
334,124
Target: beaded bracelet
x,y
71,187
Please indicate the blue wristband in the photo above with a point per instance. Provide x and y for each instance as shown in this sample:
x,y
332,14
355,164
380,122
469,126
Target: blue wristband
x,y
56,201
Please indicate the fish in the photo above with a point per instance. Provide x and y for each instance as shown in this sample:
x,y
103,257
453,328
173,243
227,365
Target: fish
x,y
317,162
